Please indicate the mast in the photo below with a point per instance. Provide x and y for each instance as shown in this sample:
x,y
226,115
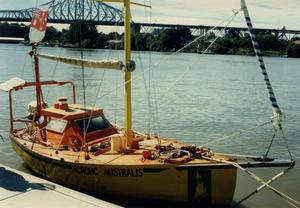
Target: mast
x,y
128,69
37,32
37,79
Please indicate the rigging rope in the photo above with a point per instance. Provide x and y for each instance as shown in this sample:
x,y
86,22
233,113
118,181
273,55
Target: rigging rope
x,y
83,86
229,20
189,68
286,144
2,138
116,76
53,74
147,89
269,147
276,110
151,116
154,118
174,53
236,133
277,114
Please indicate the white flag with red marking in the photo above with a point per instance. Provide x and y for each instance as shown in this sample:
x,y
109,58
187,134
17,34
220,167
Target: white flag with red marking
x,y
38,25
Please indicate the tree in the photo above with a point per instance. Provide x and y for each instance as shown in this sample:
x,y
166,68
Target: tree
x,y
143,42
269,42
169,40
293,50
245,42
185,35
52,34
13,30
233,33
82,32
101,41
173,39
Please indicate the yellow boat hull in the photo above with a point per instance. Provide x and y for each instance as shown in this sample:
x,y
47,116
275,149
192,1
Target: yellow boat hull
x,y
203,184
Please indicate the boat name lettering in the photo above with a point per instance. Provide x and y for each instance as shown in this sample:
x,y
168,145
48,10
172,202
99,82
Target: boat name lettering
x,y
85,170
123,172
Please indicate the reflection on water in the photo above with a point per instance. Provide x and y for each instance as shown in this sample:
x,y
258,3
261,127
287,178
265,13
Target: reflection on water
x,y
217,96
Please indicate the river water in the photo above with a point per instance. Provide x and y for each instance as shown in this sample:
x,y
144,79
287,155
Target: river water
x,y
200,99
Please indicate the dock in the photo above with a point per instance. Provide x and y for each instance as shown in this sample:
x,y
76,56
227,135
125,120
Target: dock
x,y
18,189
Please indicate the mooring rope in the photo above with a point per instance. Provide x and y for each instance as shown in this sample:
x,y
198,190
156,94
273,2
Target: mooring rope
x,y
263,186
281,194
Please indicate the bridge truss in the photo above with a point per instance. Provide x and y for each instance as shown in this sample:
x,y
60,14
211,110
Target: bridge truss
x,y
67,11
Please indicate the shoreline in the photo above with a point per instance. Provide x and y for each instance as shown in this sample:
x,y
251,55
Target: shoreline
x,y
265,54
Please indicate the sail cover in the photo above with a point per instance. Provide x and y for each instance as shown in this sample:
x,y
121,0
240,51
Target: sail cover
x,y
38,25
104,64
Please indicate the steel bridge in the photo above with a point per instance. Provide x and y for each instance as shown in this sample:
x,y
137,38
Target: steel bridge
x,y
201,29
67,11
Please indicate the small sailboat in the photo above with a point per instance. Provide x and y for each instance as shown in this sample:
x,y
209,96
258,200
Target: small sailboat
x,y
75,144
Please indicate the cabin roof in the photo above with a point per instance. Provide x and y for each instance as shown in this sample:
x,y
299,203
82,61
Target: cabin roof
x,y
12,83
74,111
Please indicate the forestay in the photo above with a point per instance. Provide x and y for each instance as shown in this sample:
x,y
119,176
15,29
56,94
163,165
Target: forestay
x,y
276,110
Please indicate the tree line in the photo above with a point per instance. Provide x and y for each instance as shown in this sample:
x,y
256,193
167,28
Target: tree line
x,y
84,34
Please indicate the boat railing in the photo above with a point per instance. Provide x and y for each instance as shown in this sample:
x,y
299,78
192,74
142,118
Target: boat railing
x,y
13,88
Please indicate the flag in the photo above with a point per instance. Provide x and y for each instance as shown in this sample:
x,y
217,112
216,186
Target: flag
x,y
38,25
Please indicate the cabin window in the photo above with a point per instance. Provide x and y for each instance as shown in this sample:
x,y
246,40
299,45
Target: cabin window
x,y
93,124
57,125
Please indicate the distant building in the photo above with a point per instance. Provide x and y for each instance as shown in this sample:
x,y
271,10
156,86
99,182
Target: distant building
x,y
297,42
10,40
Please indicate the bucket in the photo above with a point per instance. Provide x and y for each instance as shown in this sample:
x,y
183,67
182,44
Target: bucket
x,y
117,143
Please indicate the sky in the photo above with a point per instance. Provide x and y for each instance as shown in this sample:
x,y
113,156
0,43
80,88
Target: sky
x,y
265,13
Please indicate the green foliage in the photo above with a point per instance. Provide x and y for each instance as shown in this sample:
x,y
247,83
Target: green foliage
x,y
82,33
169,39
293,50
143,42
173,39
269,42
101,41
52,34
13,30
233,33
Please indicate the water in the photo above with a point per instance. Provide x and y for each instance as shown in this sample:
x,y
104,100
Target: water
x,y
197,99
